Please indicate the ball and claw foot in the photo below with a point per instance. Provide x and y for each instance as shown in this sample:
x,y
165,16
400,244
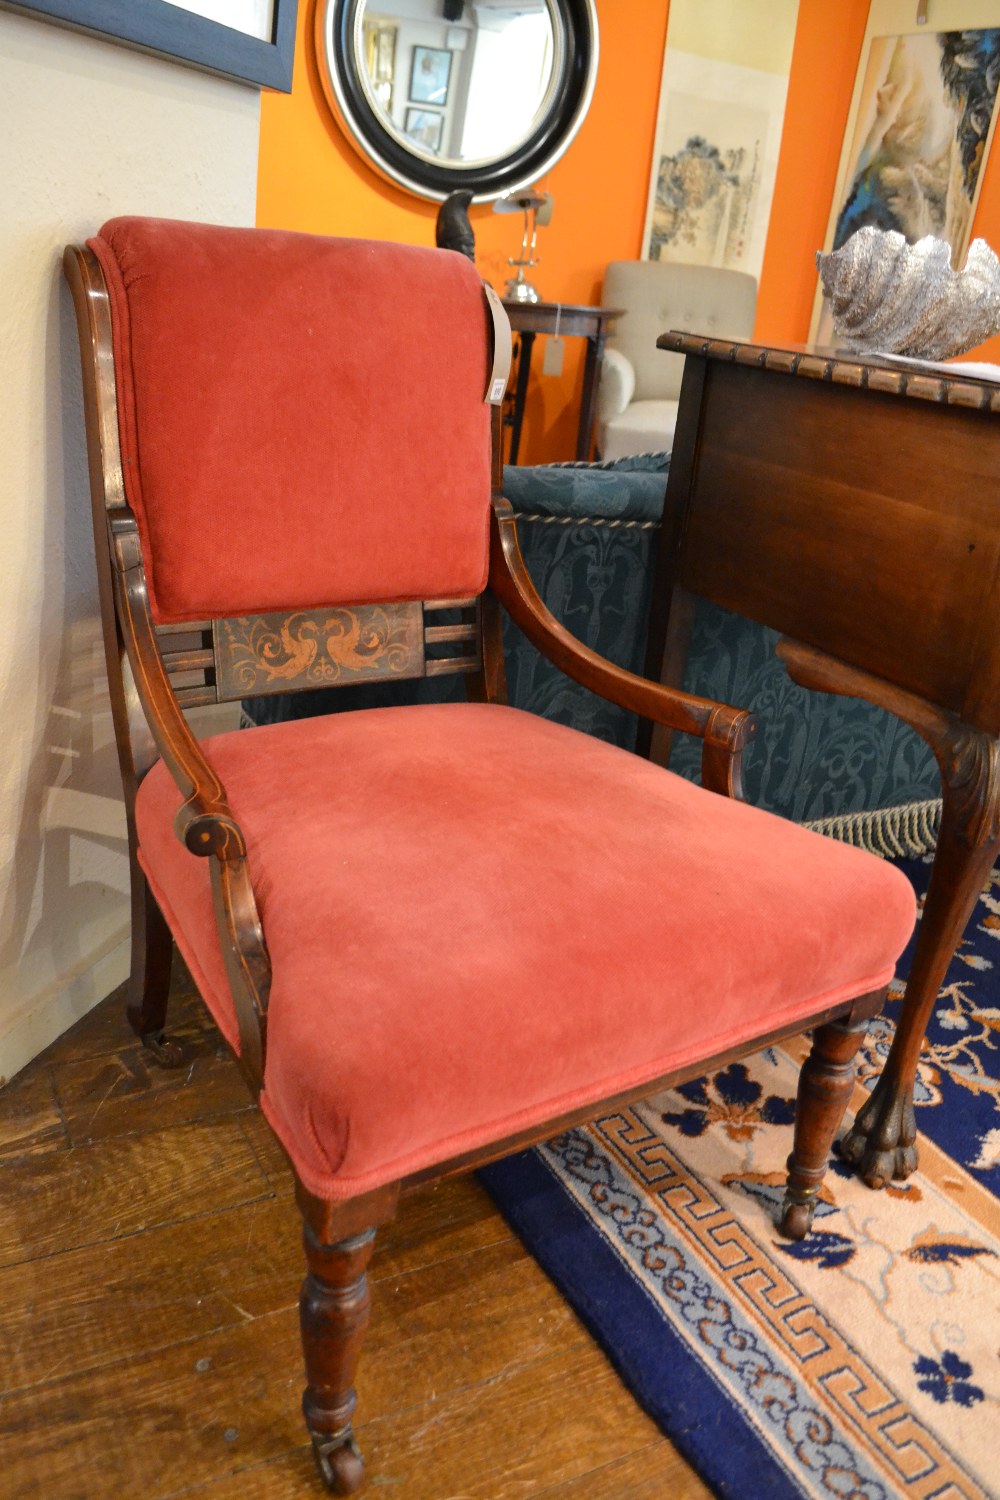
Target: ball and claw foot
x,y
797,1216
882,1141
339,1462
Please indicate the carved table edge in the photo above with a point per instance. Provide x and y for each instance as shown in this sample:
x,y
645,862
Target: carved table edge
x,y
841,369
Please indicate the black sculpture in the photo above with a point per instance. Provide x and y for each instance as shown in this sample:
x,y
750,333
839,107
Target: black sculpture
x,y
453,230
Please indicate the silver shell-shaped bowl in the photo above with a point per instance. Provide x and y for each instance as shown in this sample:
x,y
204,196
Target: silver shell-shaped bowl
x,y
891,297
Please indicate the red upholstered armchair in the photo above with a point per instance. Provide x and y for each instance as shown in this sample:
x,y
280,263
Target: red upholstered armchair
x,y
432,934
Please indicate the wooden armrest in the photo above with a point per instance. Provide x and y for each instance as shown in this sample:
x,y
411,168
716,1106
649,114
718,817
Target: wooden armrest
x,y
204,822
725,731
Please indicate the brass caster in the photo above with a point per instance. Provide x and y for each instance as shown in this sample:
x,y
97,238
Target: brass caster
x,y
340,1464
796,1217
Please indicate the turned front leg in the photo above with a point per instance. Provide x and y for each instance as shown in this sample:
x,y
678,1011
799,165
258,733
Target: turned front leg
x,y
333,1310
825,1085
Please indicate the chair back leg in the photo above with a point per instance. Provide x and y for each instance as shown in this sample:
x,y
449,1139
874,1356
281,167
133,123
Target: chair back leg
x,y
149,978
825,1086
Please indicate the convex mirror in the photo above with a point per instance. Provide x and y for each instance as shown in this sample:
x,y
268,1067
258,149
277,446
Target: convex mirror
x,y
446,94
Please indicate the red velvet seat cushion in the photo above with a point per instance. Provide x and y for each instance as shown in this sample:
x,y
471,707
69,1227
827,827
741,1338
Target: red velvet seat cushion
x,y
478,919
280,416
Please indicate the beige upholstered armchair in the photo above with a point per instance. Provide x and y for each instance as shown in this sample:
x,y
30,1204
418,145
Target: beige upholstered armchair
x,y
640,385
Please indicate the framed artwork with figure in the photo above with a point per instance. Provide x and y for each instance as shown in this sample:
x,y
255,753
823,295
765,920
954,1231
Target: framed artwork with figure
x,y
920,128
429,75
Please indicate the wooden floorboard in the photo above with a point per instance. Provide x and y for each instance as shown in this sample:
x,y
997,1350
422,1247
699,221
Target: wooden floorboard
x,y
150,1261
30,1122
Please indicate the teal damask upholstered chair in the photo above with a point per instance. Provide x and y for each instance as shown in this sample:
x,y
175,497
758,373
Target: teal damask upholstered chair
x,y
588,532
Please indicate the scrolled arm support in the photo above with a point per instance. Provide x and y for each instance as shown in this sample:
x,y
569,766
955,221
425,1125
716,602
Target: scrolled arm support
x,y
205,830
725,731
174,740
729,732
204,822
248,966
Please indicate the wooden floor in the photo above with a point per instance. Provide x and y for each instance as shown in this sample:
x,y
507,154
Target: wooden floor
x,y
149,1272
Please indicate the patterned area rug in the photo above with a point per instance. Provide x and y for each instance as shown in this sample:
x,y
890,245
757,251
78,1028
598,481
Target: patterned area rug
x,y
862,1363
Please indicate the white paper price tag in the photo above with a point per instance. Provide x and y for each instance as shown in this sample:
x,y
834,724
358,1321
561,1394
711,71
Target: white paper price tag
x,y
552,360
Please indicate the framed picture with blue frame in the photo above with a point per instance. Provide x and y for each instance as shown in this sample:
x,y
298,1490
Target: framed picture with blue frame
x,y
921,126
252,41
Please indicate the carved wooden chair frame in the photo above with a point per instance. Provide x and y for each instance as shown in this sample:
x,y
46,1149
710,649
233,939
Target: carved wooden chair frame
x,y
155,672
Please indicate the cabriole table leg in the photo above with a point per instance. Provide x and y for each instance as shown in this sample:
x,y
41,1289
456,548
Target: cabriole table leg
x,y
882,1143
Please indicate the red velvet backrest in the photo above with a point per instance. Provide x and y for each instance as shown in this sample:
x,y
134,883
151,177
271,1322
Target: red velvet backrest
x,y
302,419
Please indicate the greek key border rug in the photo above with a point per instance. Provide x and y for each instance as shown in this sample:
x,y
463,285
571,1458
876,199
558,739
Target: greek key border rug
x,y
863,1362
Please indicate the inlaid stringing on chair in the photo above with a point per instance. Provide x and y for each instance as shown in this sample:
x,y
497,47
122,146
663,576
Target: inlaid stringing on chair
x,y
432,934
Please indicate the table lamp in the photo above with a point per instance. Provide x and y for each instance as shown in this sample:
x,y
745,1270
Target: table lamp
x,y
537,210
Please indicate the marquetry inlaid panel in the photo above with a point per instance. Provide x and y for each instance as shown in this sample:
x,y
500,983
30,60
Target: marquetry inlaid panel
x,y
263,654
214,661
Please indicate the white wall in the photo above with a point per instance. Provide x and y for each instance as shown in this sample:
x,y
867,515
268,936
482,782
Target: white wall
x,y
87,130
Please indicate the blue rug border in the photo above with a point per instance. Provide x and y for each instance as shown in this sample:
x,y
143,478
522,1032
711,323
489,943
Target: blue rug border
x,y
673,1386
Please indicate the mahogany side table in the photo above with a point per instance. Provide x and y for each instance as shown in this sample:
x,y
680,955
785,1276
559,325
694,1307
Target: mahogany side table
x,y
572,321
853,503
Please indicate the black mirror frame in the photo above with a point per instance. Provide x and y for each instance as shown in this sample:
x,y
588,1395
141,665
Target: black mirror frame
x,y
347,98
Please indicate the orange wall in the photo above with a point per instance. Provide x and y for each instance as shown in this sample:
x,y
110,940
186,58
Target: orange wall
x,y
310,178
824,62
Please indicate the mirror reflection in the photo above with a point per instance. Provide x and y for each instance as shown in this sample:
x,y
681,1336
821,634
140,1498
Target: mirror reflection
x,y
459,82
443,95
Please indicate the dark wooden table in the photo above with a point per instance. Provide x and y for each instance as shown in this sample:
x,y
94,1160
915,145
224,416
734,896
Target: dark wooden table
x,y
573,321
853,503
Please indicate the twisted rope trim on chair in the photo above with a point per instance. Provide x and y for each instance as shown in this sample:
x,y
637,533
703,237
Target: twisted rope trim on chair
x,y
892,832
606,463
611,522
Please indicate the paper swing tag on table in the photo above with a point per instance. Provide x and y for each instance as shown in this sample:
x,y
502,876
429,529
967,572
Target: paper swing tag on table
x,y
552,360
